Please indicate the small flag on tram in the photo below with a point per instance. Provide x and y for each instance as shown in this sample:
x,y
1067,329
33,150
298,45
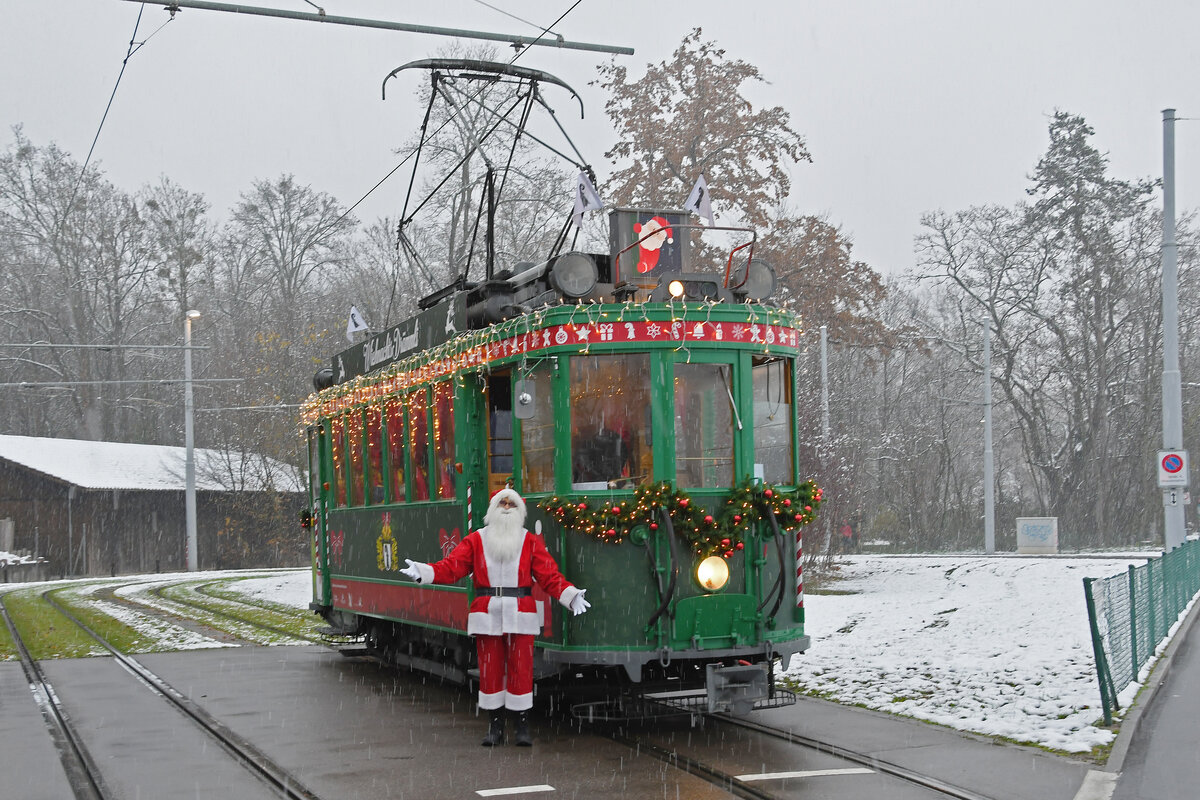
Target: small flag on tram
x,y
355,323
699,201
586,198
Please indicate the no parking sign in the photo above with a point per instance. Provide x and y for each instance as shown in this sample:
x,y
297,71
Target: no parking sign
x,y
1172,468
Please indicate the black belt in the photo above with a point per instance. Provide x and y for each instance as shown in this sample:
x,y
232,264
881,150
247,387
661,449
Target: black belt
x,y
505,591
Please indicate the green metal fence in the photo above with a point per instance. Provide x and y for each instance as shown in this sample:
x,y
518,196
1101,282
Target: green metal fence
x,y
1131,614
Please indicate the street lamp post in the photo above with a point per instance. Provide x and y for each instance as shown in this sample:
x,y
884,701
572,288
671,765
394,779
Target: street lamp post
x,y
190,461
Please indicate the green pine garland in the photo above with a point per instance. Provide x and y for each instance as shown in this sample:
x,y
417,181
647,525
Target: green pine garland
x,y
707,533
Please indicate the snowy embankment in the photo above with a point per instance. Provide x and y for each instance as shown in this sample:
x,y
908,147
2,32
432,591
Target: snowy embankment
x,y
993,645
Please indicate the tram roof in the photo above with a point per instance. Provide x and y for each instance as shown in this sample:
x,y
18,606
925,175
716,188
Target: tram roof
x,y
147,467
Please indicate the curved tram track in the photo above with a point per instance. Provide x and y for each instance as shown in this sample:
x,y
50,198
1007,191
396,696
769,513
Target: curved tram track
x,y
86,778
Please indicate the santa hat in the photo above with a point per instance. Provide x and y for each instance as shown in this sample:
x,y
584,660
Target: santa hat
x,y
511,495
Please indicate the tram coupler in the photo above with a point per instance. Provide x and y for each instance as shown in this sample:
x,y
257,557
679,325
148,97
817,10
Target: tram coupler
x,y
735,689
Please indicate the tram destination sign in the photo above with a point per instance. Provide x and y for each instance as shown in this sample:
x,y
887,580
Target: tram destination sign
x,y
431,327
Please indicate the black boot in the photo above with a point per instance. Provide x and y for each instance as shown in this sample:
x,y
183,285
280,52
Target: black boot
x,y
523,737
495,734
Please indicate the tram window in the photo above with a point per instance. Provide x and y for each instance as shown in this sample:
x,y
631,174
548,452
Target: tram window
x,y
500,431
337,449
354,429
773,420
610,421
418,444
314,468
374,455
703,426
395,435
537,434
443,438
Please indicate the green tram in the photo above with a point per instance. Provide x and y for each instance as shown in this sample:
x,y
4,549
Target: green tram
x,y
648,419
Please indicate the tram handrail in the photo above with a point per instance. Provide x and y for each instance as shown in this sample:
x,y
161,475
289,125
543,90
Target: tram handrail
x,y
670,594
778,590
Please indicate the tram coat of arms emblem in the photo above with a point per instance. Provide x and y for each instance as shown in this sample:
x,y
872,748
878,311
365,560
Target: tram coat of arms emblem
x,y
385,547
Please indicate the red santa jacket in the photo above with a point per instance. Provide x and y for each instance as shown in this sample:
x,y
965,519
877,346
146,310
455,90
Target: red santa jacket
x,y
492,616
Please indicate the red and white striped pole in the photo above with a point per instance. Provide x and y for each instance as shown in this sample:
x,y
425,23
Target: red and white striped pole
x,y
799,576
469,527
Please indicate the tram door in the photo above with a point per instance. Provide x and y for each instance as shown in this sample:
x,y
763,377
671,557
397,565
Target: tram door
x,y
499,431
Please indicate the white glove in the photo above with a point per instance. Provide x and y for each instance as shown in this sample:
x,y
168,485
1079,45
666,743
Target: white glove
x,y
411,570
578,604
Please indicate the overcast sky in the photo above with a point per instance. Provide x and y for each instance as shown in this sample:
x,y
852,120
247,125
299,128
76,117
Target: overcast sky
x,y
907,107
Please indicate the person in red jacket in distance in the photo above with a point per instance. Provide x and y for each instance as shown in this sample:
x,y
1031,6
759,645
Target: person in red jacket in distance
x,y
506,559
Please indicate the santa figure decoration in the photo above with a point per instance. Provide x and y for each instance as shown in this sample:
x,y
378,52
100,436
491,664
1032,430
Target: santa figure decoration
x,y
506,559
653,233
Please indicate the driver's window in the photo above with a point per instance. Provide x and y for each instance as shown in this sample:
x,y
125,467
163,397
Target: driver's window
x,y
610,421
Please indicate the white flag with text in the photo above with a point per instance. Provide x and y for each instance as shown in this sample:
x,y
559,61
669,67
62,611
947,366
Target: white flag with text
x,y
699,201
355,323
586,198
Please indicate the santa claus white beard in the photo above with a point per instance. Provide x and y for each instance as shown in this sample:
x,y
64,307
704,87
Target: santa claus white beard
x,y
505,534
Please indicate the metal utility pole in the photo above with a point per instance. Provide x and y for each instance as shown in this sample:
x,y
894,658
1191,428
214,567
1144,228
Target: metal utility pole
x,y
1172,410
989,477
193,562
545,40
825,386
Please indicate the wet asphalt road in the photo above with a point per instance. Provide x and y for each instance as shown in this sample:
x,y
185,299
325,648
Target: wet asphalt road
x,y
351,729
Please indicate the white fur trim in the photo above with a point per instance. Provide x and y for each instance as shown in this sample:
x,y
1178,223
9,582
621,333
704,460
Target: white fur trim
x,y
511,495
568,595
425,570
491,702
518,702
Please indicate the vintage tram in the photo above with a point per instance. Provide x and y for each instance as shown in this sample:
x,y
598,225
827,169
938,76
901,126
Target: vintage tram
x,y
642,401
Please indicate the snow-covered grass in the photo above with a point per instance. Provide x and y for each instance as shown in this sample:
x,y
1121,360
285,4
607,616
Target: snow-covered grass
x,y
994,645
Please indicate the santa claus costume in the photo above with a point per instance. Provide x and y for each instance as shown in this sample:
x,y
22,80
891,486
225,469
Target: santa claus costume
x,y
506,559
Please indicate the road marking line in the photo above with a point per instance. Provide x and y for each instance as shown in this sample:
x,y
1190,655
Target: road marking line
x,y
514,790
1097,785
812,773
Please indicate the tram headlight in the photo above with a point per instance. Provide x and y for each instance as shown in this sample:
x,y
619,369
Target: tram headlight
x,y
676,288
713,573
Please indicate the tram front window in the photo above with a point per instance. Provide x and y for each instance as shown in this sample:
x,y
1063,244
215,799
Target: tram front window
x,y
773,419
703,426
610,421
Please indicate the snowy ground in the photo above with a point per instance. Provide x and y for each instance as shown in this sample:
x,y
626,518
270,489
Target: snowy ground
x,y
993,645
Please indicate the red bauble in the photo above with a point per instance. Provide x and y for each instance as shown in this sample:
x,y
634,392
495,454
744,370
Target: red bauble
x,y
737,517
616,509
683,503
808,508
786,502
738,546
728,554
583,506
725,542
708,518
610,532
769,493
653,526
799,517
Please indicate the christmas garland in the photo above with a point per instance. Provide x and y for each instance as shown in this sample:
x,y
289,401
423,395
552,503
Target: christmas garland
x,y
707,532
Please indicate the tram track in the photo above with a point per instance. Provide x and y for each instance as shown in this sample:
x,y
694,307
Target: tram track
x,y
86,779
721,777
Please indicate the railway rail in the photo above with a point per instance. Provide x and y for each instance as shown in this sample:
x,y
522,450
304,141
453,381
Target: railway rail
x,y
85,777
748,786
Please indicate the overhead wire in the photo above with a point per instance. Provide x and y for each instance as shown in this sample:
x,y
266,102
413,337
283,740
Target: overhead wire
x,y
134,46
449,119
